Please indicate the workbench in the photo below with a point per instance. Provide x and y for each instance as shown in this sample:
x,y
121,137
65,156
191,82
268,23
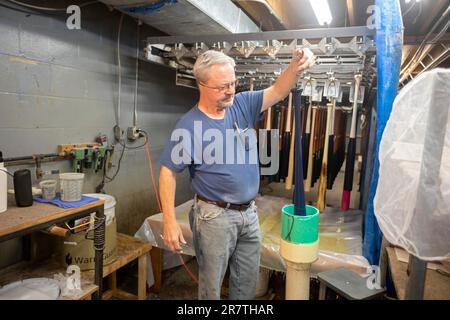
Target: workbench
x,y
21,221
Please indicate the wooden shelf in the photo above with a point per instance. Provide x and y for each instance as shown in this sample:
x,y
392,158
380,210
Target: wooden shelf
x,y
16,220
44,269
128,249
20,221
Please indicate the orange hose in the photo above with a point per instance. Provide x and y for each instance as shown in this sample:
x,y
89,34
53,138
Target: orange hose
x,y
150,166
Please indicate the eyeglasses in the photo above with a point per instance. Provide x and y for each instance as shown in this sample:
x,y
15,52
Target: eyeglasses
x,y
224,88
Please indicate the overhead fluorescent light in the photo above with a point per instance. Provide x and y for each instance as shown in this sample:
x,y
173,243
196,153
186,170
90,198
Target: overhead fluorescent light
x,y
322,11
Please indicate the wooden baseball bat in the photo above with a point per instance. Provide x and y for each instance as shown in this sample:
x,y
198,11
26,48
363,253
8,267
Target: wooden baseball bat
x,y
306,138
286,139
308,180
290,175
275,131
317,146
330,154
339,147
321,203
351,150
267,137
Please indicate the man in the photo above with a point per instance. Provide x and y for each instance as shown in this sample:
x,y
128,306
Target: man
x,y
223,218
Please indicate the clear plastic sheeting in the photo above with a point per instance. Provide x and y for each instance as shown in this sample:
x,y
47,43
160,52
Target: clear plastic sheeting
x,y
339,232
412,202
31,289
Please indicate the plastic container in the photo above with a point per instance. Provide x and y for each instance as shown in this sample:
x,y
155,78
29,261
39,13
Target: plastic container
x,y
300,229
109,206
22,188
76,249
71,186
48,189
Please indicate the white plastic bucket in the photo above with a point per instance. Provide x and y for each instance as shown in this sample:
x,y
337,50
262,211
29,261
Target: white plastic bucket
x,y
109,206
71,186
76,249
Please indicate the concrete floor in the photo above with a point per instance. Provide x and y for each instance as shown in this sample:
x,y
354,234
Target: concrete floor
x,y
178,285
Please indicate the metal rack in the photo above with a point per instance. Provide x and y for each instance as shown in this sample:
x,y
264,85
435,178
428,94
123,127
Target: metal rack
x,y
340,52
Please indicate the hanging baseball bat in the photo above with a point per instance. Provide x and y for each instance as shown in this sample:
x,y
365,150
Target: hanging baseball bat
x,y
299,192
321,203
267,134
317,146
268,130
311,152
351,150
339,148
306,138
286,139
290,175
330,154
275,131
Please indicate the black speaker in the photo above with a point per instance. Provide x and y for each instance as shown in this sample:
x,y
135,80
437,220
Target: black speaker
x,y
22,188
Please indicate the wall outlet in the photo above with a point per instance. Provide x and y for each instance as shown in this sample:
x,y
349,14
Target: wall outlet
x,y
132,133
118,132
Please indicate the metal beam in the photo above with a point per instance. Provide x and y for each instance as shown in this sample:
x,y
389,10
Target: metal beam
x,y
413,40
268,35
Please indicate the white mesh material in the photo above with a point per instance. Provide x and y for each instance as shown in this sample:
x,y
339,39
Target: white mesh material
x,y
412,201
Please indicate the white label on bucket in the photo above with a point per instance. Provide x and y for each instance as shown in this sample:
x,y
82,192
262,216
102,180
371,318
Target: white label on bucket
x,y
72,243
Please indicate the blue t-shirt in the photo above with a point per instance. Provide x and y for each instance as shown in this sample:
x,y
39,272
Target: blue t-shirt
x,y
222,155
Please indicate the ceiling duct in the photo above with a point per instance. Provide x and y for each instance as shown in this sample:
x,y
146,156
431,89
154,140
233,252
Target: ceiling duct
x,y
188,17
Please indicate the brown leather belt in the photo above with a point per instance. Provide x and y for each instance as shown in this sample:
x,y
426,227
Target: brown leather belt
x,y
226,205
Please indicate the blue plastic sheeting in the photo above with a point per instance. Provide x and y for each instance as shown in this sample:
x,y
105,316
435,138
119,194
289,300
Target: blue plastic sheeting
x,y
148,9
389,40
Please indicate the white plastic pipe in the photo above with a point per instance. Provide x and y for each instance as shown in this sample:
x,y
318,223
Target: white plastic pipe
x,y
297,280
298,258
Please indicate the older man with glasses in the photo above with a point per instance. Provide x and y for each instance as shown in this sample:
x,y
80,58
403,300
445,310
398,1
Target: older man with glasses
x,y
223,219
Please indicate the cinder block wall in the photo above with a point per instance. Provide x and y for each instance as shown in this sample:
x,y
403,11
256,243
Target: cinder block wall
x,y
60,86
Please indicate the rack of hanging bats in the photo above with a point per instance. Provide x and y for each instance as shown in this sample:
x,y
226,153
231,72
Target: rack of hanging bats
x,y
322,103
323,126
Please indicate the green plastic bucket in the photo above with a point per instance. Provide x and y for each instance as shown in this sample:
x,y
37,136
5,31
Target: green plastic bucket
x,y
299,229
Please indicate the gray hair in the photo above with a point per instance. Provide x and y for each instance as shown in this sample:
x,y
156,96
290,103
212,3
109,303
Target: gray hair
x,y
206,60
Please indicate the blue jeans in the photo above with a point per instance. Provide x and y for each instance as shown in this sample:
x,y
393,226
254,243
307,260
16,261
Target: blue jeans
x,y
222,237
